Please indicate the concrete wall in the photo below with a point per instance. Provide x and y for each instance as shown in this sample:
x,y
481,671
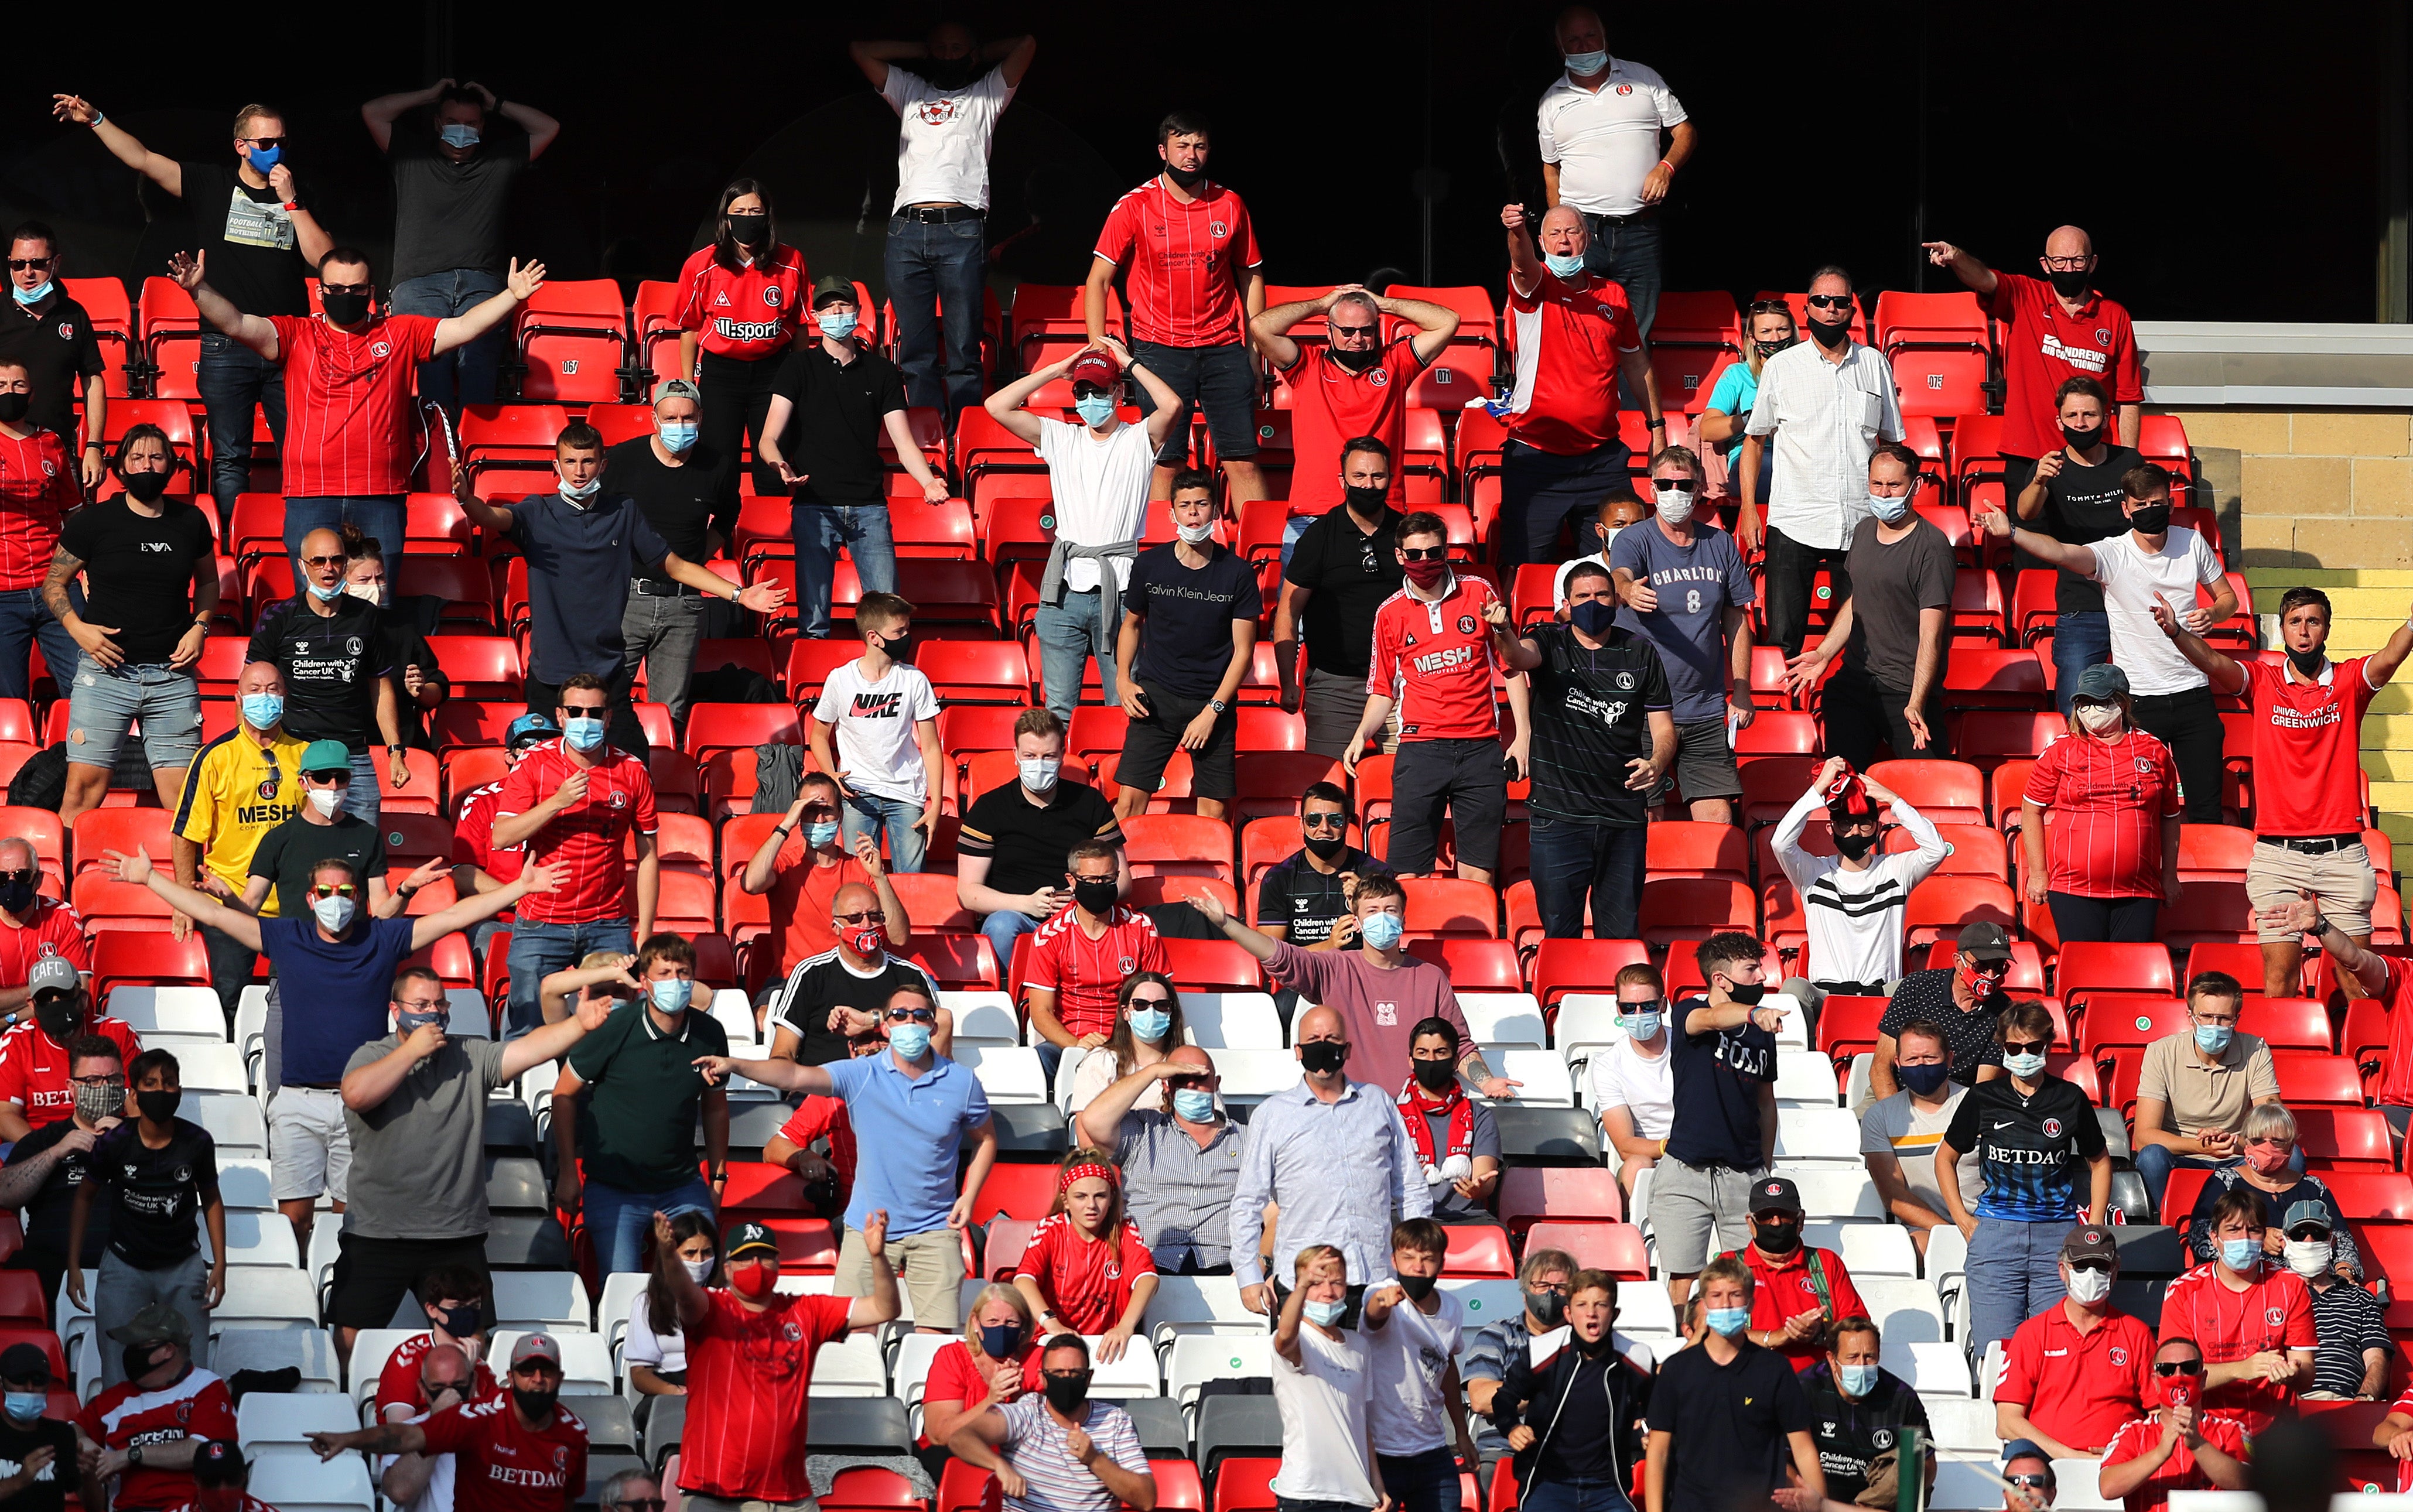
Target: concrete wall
x,y
2309,488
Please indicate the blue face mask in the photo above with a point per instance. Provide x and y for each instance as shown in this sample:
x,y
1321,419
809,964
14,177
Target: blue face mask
x,y
329,593
2024,1065
24,1406
1729,1321
1325,1314
1151,1024
678,435
262,710
1587,64
457,135
584,491
2240,1254
672,995
837,327
1381,931
1568,266
1095,409
1925,1079
582,734
912,1041
998,1341
820,832
1193,1105
33,295
1857,1380
2213,1038
264,158
1594,617
1890,511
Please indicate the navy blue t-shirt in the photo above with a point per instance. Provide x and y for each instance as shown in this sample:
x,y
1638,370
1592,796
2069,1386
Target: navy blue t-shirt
x,y
579,564
1186,614
1715,1081
336,994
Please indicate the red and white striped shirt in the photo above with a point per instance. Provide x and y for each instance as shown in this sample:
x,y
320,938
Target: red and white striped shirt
x,y
348,394
37,484
2108,799
196,1407
1085,973
51,929
1434,660
2275,1312
1186,261
1568,339
748,1376
589,838
473,836
748,315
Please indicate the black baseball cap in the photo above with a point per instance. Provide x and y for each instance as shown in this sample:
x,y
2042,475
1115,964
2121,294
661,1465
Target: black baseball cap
x,y
1777,1194
218,1462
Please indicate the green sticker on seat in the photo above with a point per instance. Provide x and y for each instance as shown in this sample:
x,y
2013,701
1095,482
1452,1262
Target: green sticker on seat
x,y
2144,1020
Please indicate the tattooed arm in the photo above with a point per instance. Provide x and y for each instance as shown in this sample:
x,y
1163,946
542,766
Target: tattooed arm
x,y
95,639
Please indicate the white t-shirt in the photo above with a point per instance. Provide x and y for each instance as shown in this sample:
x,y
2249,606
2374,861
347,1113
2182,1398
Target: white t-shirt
x,y
1323,1406
943,136
660,1353
1606,142
1911,1134
438,1496
874,723
1408,1356
2131,580
1621,1077
1559,582
1101,491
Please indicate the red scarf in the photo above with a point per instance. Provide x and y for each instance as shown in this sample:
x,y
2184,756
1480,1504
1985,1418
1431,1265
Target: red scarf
x,y
1461,1120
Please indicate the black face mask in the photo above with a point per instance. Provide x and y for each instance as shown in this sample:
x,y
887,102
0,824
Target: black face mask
x,y
463,1321
749,230
1853,847
1746,993
61,1018
1065,1393
2082,440
16,896
1769,348
1097,895
1185,178
536,1406
2071,284
1777,1238
1832,337
1322,1057
144,487
1366,503
1435,1076
159,1106
2150,519
13,406
1322,847
1356,361
2307,662
1418,1287
138,1360
345,307
1547,1308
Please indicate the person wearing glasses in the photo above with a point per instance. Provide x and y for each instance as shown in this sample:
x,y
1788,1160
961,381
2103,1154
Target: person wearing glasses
x,y
1822,407
2030,1485
2198,1089
478,862
251,222
46,1167
2181,1445
54,338
1054,1449
1336,576
802,863
1962,1000
2270,1152
1353,383
1767,329
628,1490
1632,1081
1308,898
835,1003
1148,1026
2076,1370
329,645
244,784
2032,1132
2110,860
35,1091
1179,1154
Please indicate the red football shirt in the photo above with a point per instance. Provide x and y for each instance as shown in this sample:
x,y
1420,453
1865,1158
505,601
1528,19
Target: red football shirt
x,y
1331,405
954,1376
124,1416
820,1117
39,481
2274,1313
349,398
2403,1467
2141,1436
749,315
801,893
398,1382
1568,339
2396,1086
1183,289
2307,763
1086,973
2108,799
1087,1282
33,1066
473,838
500,1466
1782,1289
747,1378
1433,659
52,930
2047,344
588,839
2078,1388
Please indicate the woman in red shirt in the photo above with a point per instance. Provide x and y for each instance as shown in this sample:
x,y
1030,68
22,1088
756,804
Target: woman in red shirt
x,y
2113,845
1086,1270
744,296
997,1361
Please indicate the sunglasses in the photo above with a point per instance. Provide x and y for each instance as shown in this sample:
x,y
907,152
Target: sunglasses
x,y
29,264
332,890
1828,301
1423,553
2033,1482
864,916
1768,307
1138,1002
1324,822
336,560
2178,1366
912,1015
595,711
642,1504
333,780
28,874
2026,1046
2089,1264
1353,330
269,143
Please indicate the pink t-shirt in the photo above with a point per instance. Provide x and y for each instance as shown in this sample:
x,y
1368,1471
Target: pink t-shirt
x,y
1377,1007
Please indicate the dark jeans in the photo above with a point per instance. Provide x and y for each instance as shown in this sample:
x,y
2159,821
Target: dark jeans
x,y
1628,250
467,374
1787,577
621,730
230,965
379,515
233,378
25,621
1575,861
1576,1496
2079,641
937,271
2124,920
1859,711
1538,490
736,397
2190,724
1425,1482
821,531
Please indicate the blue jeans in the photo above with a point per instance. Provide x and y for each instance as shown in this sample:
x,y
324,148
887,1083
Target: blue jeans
x,y
1628,253
1003,929
539,950
2014,1274
1572,862
26,620
938,272
232,380
361,798
1068,634
864,814
2079,641
820,530
380,515
620,1221
466,375
1425,1482
1568,1496
2154,1164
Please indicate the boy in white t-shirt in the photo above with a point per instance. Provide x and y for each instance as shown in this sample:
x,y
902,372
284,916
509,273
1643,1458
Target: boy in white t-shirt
x,y
1414,1411
1631,1081
886,720
1320,1383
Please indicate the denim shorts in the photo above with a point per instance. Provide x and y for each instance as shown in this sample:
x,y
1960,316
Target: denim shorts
x,y
106,700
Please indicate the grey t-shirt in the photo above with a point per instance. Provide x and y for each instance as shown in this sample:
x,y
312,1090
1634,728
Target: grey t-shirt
x,y
1896,1126
418,1158
1890,584
449,215
1696,584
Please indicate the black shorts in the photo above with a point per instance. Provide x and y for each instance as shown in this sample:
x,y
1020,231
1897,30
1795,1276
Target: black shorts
x,y
1149,745
1470,778
1705,763
373,1276
1216,380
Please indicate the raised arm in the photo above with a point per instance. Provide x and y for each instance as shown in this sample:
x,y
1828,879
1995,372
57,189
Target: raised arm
x,y
381,114
253,331
541,129
1269,331
1262,947
1005,405
787,1075
1435,324
197,906
2226,674
164,171
554,1041
1101,1123
429,929
2076,560
1524,268
1972,274
495,519
524,280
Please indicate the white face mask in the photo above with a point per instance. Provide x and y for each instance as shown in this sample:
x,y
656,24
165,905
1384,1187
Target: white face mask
x,y
366,592
1675,504
1039,772
698,1270
325,800
2099,717
1195,535
2308,1257
2087,1288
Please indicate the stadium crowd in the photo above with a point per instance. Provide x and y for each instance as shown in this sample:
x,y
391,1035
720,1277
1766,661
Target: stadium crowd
x,y
1447,1001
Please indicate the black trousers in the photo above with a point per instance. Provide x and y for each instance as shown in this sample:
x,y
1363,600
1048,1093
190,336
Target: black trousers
x,y
621,728
2190,724
1858,712
2122,920
736,399
1786,578
230,965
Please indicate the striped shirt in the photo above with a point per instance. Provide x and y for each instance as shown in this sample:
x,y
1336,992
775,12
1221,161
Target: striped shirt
x,y
349,394
2348,1320
1856,917
1187,260
1178,1194
38,484
1054,1481
125,1416
2108,799
1433,659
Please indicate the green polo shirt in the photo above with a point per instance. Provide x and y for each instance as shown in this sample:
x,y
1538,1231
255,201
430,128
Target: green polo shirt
x,y
636,1115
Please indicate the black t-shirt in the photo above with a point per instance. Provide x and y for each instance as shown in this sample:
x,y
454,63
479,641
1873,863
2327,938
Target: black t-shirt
x,y
56,344
49,1493
825,981
400,645
1851,1434
156,1194
1185,638
1350,574
681,503
1891,584
1714,1082
288,855
331,664
2082,506
449,215
833,438
1026,844
1727,1424
1968,1038
1592,717
46,1226
250,250
138,571
1305,901
2029,1148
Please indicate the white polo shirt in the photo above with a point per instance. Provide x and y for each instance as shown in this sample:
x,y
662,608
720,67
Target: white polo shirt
x,y
943,136
1606,142
2132,578
1827,417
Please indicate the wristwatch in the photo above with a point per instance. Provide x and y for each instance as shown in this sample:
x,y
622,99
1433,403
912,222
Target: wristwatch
x,y
1218,706
134,1454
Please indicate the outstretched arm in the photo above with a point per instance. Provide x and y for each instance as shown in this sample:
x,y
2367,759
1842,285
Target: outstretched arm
x,y
787,1075
164,171
478,907
1262,946
197,906
251,330
1972,274
2224,673
2076,560
524,280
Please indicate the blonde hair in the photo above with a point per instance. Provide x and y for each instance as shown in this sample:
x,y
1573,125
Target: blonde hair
x,y
1314,1253
996,1291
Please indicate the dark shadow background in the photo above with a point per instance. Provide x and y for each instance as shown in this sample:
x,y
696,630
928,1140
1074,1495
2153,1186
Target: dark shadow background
x,y
2227,172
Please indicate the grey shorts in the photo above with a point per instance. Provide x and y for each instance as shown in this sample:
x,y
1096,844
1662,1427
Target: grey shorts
x,y
1688,1202
1332,702
309,1146
1705,763
108,700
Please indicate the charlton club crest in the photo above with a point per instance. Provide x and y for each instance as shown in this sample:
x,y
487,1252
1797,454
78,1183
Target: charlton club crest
x,y
1380,378
2275,1317
2053,1127
2119,1353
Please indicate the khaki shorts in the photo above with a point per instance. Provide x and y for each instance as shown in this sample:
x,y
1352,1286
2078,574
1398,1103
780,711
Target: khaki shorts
x,y
930,1268
309,1146
2342,880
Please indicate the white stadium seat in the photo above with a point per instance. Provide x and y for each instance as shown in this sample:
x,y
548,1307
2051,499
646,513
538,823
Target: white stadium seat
x,y
257,1297
292,1479
1587,1022
1232,1021
1823,1135
553,1300
1877,1250
170,1018
1008,1073
1254,1076
1504,1019
981,1018
585,1360
269,1417
1805,1077
852,1368
1197,1359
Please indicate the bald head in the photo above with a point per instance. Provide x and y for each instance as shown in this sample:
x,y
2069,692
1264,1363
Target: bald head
x,y
1579,30
2068,242
1190,1055
259,677
854,897
1319,1024
17,854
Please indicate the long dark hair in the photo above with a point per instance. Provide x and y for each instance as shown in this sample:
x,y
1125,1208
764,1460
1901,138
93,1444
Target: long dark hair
x,y
724,245
661,1306
1122,1042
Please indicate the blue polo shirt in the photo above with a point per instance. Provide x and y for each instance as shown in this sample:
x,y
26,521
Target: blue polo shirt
x,y
335,993
917,1124
579,564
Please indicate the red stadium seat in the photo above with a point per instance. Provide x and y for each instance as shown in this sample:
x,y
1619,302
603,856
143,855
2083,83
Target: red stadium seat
x,y
1938,348
516,435
1616,1247
1772,784
1777,732
463,583
1682,848
1245,1485
1529,1194
434,524
1977,678
97,830
1446,907
713,727
1178,845
1017,1190
1694,908
2287,1023
166,317
975,672
957,963
122,958
2368,1197
1977,611
2112,968
482,667
2215,913
2214,853
1486,965
2109,1020
2345,1139
573,340
1848,1025
1565,966
1211,966
1945,791
1942,906
2320,1077
2179,1197
1477,1250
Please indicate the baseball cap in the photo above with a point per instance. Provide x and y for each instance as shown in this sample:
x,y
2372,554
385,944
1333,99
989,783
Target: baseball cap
x,y
2299,1214
535,1346
1777,1194
156,1324
1095,367
830,285
52,973
326,756
2101,681
531,728
1987,941
218,1462
679,389
24,1362
749,1235
2090,1241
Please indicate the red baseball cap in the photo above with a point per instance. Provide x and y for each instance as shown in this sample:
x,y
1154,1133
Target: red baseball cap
x,y
1095,367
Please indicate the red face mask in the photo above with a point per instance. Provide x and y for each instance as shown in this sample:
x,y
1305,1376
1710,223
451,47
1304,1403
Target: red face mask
x,y
753,1278
1424,574
1979,986
2175,1390
867,939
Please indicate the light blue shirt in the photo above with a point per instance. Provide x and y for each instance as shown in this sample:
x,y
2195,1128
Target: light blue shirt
x,y
1737,391
1293,1156
916,1126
